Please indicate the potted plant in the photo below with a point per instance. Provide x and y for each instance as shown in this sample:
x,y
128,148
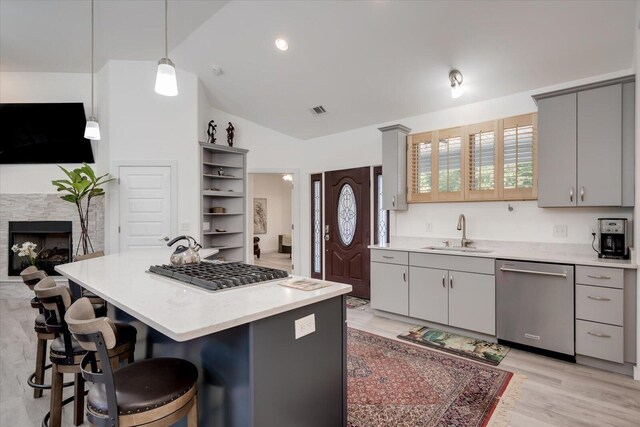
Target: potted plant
x,y
82,184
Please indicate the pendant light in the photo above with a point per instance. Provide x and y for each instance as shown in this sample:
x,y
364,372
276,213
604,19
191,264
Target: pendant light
x,y
166,82
92,128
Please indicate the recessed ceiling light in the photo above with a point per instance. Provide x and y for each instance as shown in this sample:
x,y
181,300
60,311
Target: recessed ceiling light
x,y
282,44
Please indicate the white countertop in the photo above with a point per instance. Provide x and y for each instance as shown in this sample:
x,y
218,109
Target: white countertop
x,y
180,311
521,254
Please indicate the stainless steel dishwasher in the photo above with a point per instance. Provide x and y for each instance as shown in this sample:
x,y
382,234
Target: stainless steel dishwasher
x,y
535,305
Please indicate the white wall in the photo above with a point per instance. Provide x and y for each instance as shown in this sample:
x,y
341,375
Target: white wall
x,y
278,194
21,87
147,128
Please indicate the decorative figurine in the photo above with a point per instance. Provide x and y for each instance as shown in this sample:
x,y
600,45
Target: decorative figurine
x,y
211,132
221,172
230,134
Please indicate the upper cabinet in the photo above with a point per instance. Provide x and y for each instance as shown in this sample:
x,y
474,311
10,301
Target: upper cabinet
x,y
394,164
586,146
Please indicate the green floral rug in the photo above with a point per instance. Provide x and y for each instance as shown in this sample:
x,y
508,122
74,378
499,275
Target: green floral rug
x,y
472,348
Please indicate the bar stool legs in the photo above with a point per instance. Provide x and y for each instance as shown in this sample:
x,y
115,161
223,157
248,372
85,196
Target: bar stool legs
x,y
41,358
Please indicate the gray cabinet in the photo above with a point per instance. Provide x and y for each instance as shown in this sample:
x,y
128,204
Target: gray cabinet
x,y
429,299
472,302
390,287
394,167
586,145
600,146
557,151
454,298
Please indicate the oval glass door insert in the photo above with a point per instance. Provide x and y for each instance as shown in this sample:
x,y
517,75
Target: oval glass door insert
x,y
347,214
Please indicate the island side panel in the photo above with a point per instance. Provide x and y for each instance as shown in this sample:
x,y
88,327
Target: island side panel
x,y
300,382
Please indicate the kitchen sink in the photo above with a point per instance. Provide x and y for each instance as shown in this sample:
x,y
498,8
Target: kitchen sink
x,y
458,249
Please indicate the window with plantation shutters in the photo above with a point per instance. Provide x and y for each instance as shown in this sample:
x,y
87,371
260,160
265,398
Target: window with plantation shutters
x,y
420,167
449,164
519,168
494,160
481,161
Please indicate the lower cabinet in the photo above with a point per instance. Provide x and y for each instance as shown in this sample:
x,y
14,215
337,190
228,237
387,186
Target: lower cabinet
x,y
460,299
390,288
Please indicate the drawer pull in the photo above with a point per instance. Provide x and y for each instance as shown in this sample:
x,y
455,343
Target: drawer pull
x,y
595,334
387,257
599,298
599,277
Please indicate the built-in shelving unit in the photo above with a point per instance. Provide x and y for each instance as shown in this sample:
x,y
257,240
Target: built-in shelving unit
x,y
223,185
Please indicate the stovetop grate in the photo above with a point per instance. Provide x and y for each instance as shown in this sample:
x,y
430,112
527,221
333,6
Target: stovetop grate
x,y
218,276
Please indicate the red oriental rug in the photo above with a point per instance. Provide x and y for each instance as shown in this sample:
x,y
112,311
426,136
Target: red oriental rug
x,y
393,384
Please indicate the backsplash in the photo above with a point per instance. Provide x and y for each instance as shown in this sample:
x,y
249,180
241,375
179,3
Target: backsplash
x,y
494,221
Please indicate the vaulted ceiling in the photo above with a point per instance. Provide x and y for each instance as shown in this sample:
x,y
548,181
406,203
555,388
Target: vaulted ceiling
x,y
366,62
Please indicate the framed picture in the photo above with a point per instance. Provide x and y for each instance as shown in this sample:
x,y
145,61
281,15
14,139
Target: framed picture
x,y
259,216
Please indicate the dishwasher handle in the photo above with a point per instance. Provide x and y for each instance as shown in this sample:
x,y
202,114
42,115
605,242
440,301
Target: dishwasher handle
x,y
541,273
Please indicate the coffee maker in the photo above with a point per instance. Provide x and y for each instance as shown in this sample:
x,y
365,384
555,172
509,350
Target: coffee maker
x,y
614,238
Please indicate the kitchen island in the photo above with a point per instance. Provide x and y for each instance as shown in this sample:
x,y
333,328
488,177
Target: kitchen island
x,y
253,370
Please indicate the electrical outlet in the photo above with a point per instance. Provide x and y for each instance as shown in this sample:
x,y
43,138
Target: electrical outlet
x,y
305,326
560,230
429,227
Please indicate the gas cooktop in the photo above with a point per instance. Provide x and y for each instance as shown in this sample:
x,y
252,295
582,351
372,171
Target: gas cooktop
x,y
218,276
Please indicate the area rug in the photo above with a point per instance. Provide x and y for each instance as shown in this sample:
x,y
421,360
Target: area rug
x,y
472,348
395,384
355,302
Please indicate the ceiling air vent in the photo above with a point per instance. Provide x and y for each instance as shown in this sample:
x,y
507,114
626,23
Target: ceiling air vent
x,y
318,110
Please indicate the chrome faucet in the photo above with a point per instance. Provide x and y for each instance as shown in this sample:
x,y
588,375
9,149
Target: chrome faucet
x,y
462,225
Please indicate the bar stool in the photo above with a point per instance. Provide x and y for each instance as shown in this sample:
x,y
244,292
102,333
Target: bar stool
x,y
152,392
66,353
31,276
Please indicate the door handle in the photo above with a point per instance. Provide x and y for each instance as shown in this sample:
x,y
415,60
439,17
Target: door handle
x,y
595,334
443,280
451,281
393,201
541,273
326,233
582,194
571,194
404,275
598,298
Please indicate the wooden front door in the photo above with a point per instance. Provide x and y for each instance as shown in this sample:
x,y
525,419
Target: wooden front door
x,y
347,229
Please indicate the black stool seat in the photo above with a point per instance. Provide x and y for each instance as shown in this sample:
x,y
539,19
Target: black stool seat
x,y
145,385
40,324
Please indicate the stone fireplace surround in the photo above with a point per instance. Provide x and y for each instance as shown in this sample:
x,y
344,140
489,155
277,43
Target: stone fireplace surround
x,y
45,207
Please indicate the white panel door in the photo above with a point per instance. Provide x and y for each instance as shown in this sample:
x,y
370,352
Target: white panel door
x,y
145,206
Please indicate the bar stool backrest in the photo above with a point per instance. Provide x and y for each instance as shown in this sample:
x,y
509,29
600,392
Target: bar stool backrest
x,y
47,288
56,299
82,321
96,254
31,276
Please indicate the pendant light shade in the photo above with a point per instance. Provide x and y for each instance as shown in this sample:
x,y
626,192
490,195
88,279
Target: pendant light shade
x,y
166,81
92,128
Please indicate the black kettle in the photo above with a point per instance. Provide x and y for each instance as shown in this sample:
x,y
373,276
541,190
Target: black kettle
x,y
183,254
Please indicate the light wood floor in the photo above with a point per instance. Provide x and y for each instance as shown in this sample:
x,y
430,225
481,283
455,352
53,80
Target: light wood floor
x,y
274,260
554,393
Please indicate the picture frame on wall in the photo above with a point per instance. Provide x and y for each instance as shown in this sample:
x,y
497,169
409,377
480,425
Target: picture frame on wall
x,y
259,215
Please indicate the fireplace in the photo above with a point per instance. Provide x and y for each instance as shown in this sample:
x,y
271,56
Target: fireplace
x,y
53,240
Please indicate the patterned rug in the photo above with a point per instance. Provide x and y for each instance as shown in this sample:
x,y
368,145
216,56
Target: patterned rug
x,y
393,384
355,302
472,348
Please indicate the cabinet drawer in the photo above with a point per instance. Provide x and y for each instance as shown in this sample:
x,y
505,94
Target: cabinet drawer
x,y
600,276
390,257
453,262
599,304
600,341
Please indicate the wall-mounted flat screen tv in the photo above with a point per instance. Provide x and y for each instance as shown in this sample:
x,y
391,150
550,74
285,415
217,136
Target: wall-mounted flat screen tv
x,y
43,133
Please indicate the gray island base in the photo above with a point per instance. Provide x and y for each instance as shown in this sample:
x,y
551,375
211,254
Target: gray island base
x,y
258,374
